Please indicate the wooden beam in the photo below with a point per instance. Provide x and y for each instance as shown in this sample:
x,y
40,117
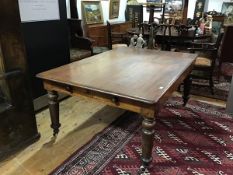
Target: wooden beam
x,y
73,9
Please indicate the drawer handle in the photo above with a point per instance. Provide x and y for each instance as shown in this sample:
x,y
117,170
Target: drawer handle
x,y
69,88
115,100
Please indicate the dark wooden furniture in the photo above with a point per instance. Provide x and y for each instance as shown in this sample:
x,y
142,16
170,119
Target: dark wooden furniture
x,y
73,9
47,47
17,119
185,11
168,34
137,80
229,106
226,54
205,62
134,14
80,46
99,32
218,19
116,39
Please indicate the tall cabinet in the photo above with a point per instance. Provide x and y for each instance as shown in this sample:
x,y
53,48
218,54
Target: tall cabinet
x,y
17,120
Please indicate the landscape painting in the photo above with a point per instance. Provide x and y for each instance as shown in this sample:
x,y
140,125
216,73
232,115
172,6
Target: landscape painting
x,y
92,12
173,5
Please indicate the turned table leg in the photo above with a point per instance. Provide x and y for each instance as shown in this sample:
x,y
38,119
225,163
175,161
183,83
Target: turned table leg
x,y
187,87
54,111
147,140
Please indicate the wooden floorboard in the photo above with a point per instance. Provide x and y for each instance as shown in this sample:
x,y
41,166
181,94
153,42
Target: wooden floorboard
x,y
81,119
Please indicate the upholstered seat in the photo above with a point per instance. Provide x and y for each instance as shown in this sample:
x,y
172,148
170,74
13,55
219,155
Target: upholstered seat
x,y
202,61
78,54
98,50
80,46
118,45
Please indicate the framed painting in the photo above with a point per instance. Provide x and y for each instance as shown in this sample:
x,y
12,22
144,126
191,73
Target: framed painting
x,y
173,5
157,8
199,11
227,10
114,6
92,12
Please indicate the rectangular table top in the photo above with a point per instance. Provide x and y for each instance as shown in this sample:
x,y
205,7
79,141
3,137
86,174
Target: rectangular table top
x,y
140,74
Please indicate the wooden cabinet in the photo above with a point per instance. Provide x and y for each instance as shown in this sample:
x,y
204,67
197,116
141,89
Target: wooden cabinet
x,y
17,119
99,32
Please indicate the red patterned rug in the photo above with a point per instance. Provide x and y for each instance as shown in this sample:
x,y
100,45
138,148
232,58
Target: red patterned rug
x,y
196,140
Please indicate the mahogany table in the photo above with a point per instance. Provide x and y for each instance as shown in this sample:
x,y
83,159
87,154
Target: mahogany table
x,y
134,79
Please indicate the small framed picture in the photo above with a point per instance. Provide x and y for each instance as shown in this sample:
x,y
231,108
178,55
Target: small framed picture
x,y
227,10
173,5
92,12
156,8
114,7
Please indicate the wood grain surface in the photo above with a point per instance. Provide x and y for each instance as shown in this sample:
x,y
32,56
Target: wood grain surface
x,y
138,74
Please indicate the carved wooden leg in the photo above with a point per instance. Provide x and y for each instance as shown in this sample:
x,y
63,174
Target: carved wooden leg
x,y
211,83
54,111
147,140
187,87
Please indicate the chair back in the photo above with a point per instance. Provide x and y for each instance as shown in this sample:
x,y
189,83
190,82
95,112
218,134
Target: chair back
x,y
109,30
144,27
75,26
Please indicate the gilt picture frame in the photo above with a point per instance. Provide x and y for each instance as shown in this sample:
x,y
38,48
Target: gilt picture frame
x,y
114,7
173,5
92,12
227,10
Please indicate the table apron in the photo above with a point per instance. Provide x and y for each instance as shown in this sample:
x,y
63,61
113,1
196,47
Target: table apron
x,y
146,110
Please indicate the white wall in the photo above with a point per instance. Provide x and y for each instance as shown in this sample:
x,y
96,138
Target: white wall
x,y
211,5
216,5
105,9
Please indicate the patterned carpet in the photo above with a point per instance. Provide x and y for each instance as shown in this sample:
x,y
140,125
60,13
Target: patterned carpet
x,y
201,88
196,139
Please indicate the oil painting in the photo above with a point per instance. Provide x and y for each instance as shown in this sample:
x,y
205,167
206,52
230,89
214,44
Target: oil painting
x,y
92,12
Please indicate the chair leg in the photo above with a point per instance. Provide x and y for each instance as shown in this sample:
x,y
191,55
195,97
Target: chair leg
x,y
211,83
187,87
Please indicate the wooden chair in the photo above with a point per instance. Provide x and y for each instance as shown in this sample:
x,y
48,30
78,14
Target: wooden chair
x,y
152,43
116,39
144,29
81,47
226,53
205,62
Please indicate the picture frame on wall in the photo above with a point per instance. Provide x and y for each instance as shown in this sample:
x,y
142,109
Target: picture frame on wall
x,y
227,10
114,7
92,12
156,9
173,5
